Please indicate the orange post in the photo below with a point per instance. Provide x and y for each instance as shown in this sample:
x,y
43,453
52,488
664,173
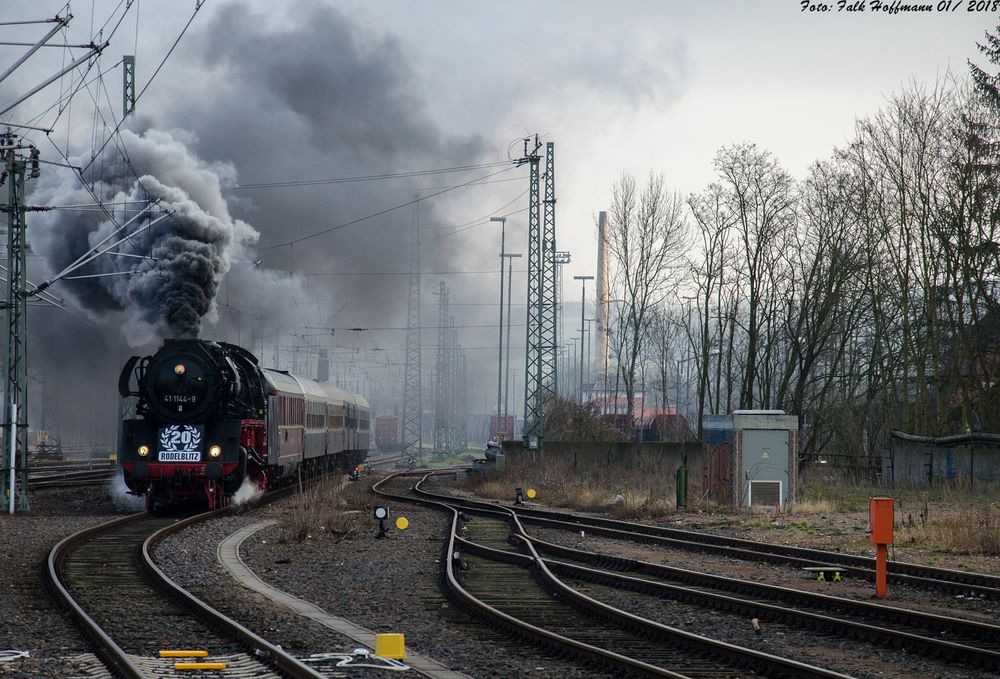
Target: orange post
x,y
880,519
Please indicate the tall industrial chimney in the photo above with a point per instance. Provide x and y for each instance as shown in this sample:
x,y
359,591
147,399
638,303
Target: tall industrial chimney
x,y
601,312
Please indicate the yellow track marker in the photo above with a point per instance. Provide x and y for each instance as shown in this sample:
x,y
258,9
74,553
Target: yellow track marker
x,y
200,665
390,646
183,654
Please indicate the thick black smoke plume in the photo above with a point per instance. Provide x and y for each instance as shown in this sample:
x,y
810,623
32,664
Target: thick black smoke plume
x,y
315,95
248,99
168,293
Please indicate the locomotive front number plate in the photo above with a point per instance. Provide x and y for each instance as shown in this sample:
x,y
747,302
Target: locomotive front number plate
x,y
180,443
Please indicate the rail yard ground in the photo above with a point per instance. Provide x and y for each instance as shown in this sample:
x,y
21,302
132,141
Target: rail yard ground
x,y
389,585
946,526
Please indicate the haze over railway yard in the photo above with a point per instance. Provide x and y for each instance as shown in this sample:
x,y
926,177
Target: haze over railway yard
x,y
467,339
266,114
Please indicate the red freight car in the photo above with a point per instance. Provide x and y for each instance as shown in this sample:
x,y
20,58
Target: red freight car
x,y
388,433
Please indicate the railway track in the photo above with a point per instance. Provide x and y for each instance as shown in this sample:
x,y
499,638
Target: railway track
x,y
71,474
945,580
966,642
130,610
955,640
513,586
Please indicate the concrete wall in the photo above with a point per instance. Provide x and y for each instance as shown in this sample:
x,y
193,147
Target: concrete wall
x,y
914,464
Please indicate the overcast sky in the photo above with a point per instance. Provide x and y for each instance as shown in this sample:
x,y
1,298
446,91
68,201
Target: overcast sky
x,y
311,89
629,86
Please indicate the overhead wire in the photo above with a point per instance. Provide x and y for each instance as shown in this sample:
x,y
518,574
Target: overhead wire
x,y
400,273
366,178
198,5
381,212
99,79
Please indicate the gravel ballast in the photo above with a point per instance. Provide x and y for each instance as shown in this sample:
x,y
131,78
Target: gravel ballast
x,y
385,585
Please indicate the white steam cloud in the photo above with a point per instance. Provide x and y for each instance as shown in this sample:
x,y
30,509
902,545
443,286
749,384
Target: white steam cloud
x,y
247,492
120,497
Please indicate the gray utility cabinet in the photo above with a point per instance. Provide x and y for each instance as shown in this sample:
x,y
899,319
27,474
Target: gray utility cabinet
x,y
755,454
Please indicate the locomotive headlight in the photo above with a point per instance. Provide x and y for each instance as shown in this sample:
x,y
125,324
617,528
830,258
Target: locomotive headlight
x,y
215,451
143,451
179,369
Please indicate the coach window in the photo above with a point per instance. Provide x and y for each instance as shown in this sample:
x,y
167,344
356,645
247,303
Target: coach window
x,y
316,417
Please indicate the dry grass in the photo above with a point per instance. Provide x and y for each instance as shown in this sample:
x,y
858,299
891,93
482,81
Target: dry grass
x,y
957,517
327,506
973,531
813,506
948,523
625,494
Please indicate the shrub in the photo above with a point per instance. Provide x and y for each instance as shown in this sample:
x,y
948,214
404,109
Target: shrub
x,y
326,506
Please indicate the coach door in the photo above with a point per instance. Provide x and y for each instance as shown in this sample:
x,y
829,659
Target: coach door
x,y
272,430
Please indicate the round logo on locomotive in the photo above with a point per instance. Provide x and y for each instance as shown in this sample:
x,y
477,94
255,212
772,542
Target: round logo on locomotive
x,y
180,438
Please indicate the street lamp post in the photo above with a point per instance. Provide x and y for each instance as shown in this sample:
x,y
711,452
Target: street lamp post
x,y
506,377
573,360
503,235
583,308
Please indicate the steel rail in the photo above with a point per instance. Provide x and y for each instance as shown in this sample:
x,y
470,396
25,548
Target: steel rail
x,y
113,655
256,645
981,583
929,624
118,660
69,479
841,626
916,575
735,655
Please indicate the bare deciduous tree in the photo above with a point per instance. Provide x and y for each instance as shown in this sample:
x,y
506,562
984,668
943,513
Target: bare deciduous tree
x,y
647,239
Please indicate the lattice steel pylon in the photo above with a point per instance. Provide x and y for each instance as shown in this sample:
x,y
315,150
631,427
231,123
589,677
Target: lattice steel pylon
x,y
533,418
461,398
413,407
444,378
15,416
542,336
549,302
128,85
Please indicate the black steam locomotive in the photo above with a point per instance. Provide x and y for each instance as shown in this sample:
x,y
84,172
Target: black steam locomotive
x,y
209,419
